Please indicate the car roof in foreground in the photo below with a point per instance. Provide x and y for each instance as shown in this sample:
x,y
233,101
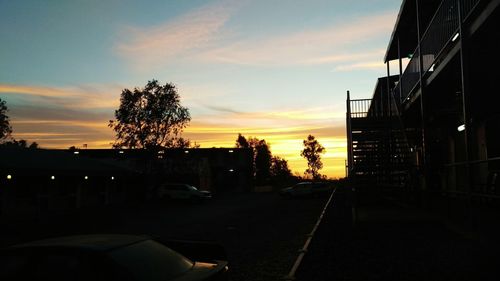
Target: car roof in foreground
x,y
92,242
108,242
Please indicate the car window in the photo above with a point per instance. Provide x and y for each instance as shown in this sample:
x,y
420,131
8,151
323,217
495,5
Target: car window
x,y
150,260
192,188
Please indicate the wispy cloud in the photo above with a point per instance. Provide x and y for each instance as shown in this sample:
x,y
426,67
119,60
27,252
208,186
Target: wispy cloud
x,y
152,46
77,97
370,65
276,120
328,44
59,117
61,133
202,35
339,58
222,109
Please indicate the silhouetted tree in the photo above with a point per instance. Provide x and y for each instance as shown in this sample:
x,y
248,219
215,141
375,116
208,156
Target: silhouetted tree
x,y
281,175
241,142
262,162
185,143
312,152
5,128
261,156
150,118
279,168
20,144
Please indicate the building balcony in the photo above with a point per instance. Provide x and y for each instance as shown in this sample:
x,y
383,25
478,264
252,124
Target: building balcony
x,y
426,47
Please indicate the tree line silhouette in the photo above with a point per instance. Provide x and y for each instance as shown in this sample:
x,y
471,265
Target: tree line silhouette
x,y
153,118
6,139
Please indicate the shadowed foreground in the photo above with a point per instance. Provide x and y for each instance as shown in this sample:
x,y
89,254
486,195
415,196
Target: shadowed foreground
x,y
395,242
261,232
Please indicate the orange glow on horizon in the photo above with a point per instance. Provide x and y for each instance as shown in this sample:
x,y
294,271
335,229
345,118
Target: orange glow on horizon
x,y
285,142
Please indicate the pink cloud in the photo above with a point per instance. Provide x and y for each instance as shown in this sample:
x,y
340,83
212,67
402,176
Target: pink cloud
x,y
326,45
153,46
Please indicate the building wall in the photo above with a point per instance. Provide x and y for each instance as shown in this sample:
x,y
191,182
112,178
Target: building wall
x,y
215,169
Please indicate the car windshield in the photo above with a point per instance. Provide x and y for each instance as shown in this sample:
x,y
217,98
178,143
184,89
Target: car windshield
x,y
192,187
152,261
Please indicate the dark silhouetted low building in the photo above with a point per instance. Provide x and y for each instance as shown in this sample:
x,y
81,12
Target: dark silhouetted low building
x,y
39,182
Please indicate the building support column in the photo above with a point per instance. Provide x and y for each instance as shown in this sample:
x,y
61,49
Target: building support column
x,y
388,84
464,75
400,72
423,174
350,159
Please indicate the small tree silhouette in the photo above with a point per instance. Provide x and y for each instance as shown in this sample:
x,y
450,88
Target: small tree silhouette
x,y
312,153
5,128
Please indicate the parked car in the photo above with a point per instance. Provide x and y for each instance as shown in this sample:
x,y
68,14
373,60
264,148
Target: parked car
x,y
182,191
104,257
306,189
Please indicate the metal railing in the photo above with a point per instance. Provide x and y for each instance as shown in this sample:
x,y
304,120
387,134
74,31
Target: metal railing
x,y
360,108
467,7
411,75
364,108
483,180
396,94
442,29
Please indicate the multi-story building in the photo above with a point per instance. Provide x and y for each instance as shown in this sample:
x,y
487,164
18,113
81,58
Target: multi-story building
x,y
434,126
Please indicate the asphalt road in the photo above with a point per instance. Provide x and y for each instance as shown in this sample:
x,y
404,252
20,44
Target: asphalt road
x,y
261,232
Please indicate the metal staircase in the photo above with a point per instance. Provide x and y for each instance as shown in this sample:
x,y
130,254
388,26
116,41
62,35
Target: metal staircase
x,y
378,149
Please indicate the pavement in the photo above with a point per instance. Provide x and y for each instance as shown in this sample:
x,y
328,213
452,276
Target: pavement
x,y
388,240
261,232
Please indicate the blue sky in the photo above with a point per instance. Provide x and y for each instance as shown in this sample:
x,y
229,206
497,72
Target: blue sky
x,y
277,70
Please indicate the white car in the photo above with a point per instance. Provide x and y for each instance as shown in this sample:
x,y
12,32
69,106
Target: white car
x,y
182,191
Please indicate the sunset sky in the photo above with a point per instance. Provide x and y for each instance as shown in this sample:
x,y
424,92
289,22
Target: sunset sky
x,y
277,70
